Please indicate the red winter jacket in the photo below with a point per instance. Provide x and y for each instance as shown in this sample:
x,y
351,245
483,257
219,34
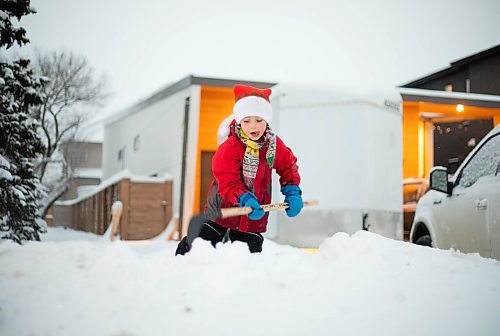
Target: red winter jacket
x,y
228,185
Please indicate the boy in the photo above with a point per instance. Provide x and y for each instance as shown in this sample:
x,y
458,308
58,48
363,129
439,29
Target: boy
x,y
242,170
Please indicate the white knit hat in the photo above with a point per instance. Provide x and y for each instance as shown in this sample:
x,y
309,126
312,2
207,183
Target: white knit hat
x,y
251,101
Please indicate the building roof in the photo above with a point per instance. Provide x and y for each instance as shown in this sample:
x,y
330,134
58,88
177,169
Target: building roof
x,y
93,173
455,66
476,57
78,142
181,85
444,97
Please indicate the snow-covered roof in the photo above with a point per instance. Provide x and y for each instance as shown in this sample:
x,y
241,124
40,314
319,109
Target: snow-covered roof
x,y
184,83
293,96
115,179
445,97
95,173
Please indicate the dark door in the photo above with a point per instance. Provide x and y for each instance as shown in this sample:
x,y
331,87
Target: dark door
x,y
453,141
206,176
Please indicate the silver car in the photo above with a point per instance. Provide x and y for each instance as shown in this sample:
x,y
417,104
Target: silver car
x,y
463,212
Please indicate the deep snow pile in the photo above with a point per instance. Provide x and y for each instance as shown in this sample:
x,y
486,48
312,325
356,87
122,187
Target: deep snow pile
x,y
358,285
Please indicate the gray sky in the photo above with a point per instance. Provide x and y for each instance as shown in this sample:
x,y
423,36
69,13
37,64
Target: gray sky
x,y
143,45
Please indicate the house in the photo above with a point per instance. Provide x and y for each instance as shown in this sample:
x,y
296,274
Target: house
x,y
478,73
174,131
85,160
446,113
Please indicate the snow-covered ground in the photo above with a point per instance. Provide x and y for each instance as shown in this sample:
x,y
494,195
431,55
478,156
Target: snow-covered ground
x,y
75,283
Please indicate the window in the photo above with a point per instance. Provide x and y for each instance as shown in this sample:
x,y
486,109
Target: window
x,y
79,155
121,157
136,143
448,88
484,163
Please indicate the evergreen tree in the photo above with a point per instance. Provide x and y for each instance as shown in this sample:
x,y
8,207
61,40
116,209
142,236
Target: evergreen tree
x,y
20,144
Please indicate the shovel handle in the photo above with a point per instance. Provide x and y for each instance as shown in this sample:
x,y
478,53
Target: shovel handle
x,y
240,211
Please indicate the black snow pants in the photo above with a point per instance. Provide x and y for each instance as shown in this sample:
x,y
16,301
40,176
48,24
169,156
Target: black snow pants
x,y
215,233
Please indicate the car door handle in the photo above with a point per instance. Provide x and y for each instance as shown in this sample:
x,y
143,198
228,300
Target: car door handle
x,y
437,201
482,204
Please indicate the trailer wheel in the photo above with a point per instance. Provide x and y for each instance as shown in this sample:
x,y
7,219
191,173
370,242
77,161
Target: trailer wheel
x,y
424,240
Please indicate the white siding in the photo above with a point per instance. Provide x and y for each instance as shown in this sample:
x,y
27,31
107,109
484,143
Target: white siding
x,y
160,130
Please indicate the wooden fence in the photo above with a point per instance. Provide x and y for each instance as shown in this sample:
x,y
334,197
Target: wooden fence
x,y
147,209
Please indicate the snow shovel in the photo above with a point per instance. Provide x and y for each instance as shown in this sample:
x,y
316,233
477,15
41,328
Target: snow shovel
x,y
196,223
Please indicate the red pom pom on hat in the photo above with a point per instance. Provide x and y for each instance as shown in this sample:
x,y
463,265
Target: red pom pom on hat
x,y
251,101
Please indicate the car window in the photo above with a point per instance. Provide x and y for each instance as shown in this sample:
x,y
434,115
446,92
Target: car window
x,y
484,163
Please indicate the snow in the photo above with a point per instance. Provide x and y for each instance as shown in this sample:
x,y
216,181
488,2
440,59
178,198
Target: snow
x,y
484,163
124,174
85,190
7,73
4,174
31,90
76,283
95,173
19,193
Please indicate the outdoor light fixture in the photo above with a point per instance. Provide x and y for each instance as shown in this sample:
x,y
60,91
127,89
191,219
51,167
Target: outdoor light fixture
x,y
460,108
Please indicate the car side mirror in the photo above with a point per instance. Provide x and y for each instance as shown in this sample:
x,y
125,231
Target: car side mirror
x,y
439,180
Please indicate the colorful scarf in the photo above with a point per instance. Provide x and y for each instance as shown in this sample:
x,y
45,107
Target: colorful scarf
x,y
251,157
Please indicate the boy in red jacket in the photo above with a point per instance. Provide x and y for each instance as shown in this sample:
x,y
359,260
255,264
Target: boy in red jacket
x,y
242,168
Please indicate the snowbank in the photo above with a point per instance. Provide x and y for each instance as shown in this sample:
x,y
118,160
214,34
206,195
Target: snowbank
x,y
354,285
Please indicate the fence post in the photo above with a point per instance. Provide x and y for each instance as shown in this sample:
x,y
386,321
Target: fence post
x,y
115,219
168,198
125,199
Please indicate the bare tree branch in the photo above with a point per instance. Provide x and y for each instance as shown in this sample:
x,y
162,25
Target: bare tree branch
x,y
55,194
71,94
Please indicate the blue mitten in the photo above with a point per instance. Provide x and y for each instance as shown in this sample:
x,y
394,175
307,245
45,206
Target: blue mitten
x,y
293,198
250,200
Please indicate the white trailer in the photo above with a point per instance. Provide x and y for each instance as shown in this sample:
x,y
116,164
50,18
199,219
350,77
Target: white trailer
x,y
349,149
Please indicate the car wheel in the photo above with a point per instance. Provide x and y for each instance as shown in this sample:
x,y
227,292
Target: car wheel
x,y
424,240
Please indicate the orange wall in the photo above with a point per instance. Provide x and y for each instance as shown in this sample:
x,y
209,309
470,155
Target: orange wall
x,y
470,112
216,104
410,139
